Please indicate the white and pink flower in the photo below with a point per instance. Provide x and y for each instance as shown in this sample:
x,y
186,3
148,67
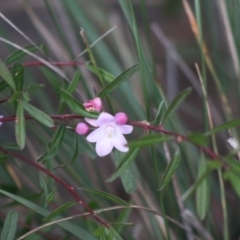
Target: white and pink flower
x,y
108,134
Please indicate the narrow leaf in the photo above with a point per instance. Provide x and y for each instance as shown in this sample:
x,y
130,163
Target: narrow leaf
x,y
157,119
202,194
149,140
106,196
197,138
224,126
129,175
125,163
176,102
77,107
19,53
20,125
59,210
18,76
39,115
234,180
54,144
73,85
170,170
75,154
191,190
6,75
10,226
119,80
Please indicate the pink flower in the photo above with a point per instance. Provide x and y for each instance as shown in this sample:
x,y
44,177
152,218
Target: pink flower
x,y
108,134
82,128
93,105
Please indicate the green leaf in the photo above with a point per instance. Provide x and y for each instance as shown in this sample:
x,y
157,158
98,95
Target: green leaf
x,y
224,126
197,138
75,154
176,102
33,87
77,107
68,226
170,170
19,53
157,119
54,144
50,196
234,180
18,76
20,125
124,164
59,210
119,80
196,184
73,85
39,115
106,196
149,140
129,175
10,226
108,77
202,194
6,75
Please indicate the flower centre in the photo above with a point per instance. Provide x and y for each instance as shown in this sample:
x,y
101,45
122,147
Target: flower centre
x,y
109,130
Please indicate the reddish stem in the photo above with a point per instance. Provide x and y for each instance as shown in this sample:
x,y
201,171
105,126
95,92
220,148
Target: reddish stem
x,y
58,180
59,64
178,137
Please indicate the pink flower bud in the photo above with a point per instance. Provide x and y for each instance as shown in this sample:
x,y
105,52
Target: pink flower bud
x,y
121,118
81,128
93,105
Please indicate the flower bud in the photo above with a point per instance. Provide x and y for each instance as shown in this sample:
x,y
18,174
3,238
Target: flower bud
x,y
93,105
121,118
81,128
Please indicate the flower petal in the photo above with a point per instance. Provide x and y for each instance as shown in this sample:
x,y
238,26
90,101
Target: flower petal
x,y
119,142
125,129
104,147
96,135
91,121
105,118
